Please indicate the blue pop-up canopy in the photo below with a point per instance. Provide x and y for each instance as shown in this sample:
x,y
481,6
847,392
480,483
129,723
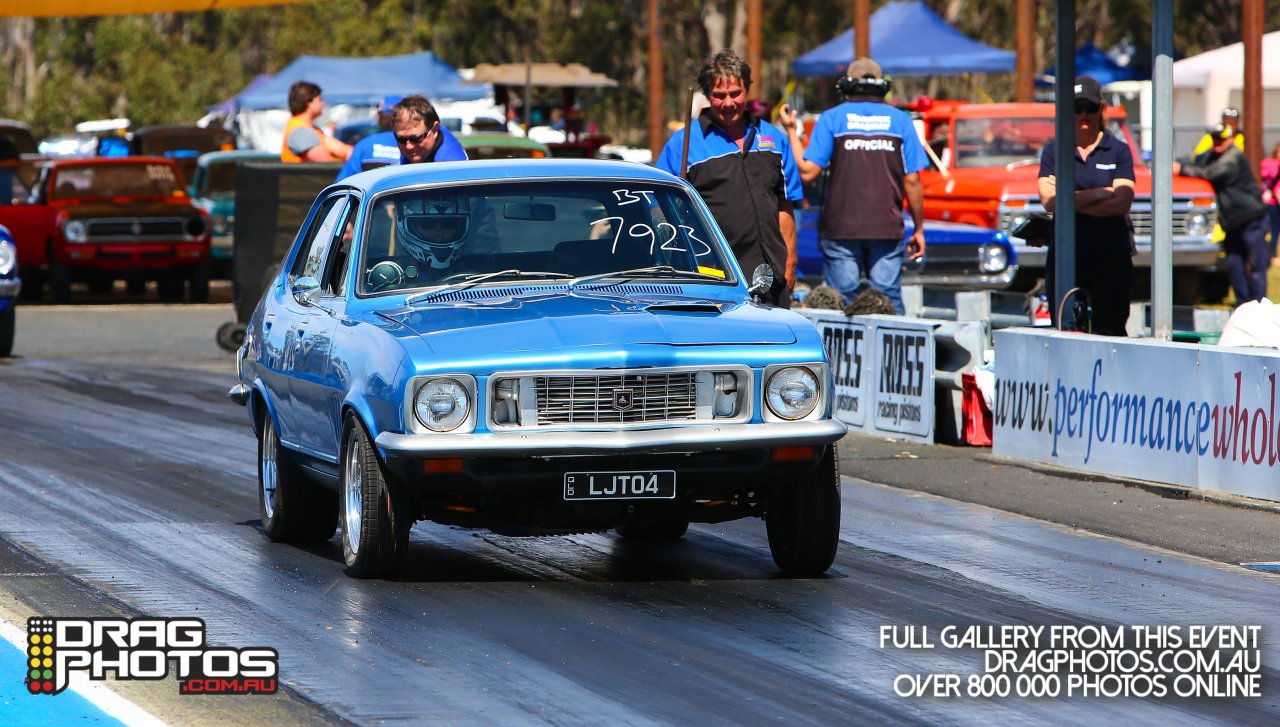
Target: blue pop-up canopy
x,y
1090,61
908,39
364,81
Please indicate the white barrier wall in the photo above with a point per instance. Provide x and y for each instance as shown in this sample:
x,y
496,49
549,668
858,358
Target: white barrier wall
x,y
1199,416
883,369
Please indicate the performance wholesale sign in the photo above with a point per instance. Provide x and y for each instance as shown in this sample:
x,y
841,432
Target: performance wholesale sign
x,y
1198,416
883,368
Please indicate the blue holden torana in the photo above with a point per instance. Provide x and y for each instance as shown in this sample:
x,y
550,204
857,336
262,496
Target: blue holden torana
x,y
533,347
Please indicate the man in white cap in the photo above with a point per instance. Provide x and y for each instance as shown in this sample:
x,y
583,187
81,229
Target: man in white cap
x,y
875,158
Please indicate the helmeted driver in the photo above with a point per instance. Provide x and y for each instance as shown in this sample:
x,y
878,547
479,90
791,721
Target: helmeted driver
x,y
433,230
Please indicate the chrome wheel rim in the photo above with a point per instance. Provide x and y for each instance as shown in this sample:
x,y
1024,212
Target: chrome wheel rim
x,y
268,475
352,501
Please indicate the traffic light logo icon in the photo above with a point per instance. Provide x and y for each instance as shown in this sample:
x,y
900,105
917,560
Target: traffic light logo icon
x,y
40,655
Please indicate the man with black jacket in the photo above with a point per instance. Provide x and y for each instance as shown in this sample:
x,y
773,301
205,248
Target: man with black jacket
x,y
1241,212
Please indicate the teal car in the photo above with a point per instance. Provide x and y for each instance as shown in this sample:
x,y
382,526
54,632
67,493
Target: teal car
x,y
213,189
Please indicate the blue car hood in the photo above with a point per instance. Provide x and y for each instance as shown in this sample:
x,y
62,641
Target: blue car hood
x,y
556,321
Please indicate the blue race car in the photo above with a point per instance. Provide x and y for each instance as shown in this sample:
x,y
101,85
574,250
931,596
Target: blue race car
x,y
534,347
10,286
956,255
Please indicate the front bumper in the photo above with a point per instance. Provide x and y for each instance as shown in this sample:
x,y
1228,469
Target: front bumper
x,y
708,437
10,288
133,256
1195,254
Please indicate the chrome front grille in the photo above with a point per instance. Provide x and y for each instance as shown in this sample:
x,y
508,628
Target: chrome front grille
x,y
1140,215
616,398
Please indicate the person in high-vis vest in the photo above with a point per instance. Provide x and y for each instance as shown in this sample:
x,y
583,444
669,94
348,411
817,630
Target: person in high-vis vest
x,y
303,140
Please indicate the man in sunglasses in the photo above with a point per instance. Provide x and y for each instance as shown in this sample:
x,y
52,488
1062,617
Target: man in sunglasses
x,y
419,135
1103,193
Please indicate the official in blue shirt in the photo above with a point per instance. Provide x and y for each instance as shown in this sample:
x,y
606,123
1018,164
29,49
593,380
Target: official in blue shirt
x,y
1103,194
419,135
743,168
377,149
875,158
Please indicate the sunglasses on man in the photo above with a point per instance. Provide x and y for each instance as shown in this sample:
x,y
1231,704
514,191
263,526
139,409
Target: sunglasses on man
x,y
414,139
1085,107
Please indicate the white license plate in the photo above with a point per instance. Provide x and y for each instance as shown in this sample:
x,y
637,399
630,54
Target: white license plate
x,y
653,485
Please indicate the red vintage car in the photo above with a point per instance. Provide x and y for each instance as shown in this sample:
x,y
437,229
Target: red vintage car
x,y
97,220
990,156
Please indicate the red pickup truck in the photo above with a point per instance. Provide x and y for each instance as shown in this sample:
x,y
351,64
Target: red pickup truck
x,y
990,156
100,219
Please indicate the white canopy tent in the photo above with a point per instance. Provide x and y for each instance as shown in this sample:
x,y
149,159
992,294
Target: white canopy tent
x,y
1203,85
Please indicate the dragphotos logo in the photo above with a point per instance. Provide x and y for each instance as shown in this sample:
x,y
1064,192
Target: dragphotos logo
x,y
143,648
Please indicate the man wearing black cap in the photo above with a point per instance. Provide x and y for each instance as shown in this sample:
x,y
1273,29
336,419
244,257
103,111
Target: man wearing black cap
x,y
1103,194
1241,212
875,157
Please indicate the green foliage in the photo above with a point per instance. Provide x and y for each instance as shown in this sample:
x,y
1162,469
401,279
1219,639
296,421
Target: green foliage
x,y
169,68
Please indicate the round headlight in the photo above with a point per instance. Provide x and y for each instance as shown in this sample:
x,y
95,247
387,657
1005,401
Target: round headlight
x,y
441,404
75,231
8,257
1197,224
992,259
195,226
792,392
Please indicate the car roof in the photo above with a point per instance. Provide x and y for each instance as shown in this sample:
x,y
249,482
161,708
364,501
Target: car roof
x,y
507,140
396,176
103,161
1005,111
217,156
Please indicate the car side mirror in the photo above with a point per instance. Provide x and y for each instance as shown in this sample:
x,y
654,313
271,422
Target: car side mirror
x,y
761,281
306,291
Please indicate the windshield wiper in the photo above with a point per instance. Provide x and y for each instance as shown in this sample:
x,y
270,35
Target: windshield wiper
x,y
474,279
655,271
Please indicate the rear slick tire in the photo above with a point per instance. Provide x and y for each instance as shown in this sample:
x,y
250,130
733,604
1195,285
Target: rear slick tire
x,y
293,509
375,517
803,520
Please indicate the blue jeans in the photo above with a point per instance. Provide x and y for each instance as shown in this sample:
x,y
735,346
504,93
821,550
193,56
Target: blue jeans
x,y
844,262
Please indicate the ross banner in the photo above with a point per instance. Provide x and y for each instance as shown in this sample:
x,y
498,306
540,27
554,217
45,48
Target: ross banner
x,y
883,365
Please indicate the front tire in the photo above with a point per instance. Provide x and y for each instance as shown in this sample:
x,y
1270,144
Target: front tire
x,y
7,325
375,517
59,281
199,284
293,509
803,521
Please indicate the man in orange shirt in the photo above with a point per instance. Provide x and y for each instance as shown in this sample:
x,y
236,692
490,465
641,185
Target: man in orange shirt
x,y
303,140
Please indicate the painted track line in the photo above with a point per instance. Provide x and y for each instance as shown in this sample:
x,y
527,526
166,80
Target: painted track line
x,y
43,709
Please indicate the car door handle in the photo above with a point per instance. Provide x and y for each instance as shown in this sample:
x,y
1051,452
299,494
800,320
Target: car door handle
x,y
301,333
266,322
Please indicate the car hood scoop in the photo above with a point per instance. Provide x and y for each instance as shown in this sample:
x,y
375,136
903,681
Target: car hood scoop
x,y
543,318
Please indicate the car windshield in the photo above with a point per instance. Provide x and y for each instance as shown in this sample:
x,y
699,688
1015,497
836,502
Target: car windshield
x,y
1009,141
528,230
219,178
117,180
